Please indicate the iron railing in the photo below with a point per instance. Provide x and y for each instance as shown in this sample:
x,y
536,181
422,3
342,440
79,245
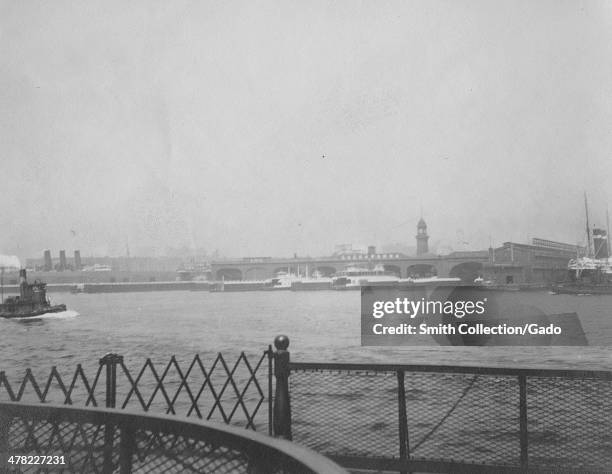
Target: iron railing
x,y
36,437
381,417
229,392
411,418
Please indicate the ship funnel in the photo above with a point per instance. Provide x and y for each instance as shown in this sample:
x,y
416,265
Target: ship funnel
x,y
600,242
23,284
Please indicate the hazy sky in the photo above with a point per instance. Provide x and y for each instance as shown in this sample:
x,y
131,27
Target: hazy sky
x,y
274,127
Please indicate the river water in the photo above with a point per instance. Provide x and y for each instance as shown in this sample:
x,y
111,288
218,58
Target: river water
x,y
323,326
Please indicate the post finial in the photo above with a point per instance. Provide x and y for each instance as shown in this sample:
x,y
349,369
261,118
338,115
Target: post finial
x,y
281,342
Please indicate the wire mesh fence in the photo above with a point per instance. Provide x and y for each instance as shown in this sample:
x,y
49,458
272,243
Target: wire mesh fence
x,y
415,417
349,414
43,438
570,421
505,417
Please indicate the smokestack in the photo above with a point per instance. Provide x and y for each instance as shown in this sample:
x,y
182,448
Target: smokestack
x,y
23,284
77,260
48,264
600,243
62,262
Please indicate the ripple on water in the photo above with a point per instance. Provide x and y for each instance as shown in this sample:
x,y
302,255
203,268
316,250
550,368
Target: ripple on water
x,y
322,326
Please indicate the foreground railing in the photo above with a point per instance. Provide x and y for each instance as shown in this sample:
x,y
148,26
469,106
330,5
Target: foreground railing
x,y
447,418
220,390
393,417
35,437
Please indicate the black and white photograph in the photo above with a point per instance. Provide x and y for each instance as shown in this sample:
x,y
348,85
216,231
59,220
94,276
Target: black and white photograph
x,y
289,236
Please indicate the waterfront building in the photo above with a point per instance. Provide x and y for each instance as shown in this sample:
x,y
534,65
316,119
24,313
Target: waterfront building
x,y
542,261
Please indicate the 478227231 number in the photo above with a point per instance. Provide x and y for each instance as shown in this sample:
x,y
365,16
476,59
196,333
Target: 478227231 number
x,y
46,460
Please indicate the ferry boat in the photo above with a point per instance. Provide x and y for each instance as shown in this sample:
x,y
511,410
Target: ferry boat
x,y
431,281
353,278
31,302
315,282
282,281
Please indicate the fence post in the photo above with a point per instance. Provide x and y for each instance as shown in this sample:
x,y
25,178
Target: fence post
x,y
5,425
111,361
282,405
270,354
523,421
403,418
126,448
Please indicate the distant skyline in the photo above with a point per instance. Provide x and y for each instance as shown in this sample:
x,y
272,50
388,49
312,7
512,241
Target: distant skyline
x,y
280,127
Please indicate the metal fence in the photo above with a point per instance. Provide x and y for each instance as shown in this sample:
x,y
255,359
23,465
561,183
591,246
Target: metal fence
x,y
229,392
42,438
432,418
383,417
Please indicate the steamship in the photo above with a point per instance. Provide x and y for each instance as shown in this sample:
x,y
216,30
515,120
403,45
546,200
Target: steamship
x,y
592,273
31,302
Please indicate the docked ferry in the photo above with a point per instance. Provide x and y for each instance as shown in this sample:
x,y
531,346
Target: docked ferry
x,y
282,281
353,278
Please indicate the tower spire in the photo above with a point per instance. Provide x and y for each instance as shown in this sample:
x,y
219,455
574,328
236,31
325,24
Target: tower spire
x,y
422,237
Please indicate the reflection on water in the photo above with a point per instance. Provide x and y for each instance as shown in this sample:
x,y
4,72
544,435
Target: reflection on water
x,y
322,326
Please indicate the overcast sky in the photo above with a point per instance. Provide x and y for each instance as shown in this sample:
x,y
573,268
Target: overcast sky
x,y
274,127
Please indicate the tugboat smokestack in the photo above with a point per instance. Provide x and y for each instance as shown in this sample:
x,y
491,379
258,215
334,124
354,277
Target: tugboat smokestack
x,y
23,284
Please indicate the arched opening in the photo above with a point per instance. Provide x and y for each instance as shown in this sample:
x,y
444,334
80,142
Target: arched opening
x,y
286,269
467,271
229,274
393,269
421,270
325,271
256,273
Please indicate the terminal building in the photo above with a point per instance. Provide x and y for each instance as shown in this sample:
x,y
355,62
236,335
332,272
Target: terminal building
x,y
542,261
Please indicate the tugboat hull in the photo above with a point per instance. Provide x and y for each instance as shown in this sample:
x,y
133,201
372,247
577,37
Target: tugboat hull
x,y
36,312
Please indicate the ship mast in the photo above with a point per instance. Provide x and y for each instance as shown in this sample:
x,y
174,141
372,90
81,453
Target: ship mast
x,y
586,209
608,231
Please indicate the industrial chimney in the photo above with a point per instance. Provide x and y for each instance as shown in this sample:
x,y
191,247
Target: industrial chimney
x,y
62,262
48,263
77,260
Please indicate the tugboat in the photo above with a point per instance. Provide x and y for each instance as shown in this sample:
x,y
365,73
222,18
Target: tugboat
x,y
31,302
